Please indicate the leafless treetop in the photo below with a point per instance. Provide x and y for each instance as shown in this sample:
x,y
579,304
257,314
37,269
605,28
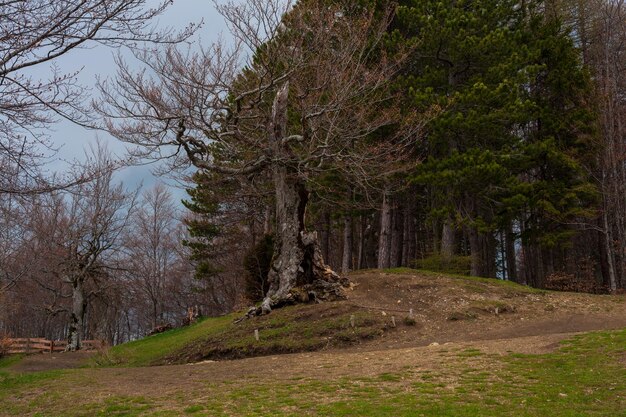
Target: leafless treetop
x,y
36,33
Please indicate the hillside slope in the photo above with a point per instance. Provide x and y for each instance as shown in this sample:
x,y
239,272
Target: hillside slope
x,y
456,308
445,309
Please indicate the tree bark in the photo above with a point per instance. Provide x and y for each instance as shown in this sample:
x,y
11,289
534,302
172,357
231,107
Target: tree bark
x,y
511,261
360,262
482,248
77,315
396,236
447,240
408,235
474,240
267,221
384,241
609,253
298,272
348,241
326,230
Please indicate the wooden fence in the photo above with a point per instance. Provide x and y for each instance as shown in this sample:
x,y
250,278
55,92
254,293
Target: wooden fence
x,y
37,345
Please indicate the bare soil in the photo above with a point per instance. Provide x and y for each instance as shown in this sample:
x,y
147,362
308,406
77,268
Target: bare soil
x,y
48,362
459,310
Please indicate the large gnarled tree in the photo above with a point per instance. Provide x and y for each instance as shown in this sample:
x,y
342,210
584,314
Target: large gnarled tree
x,y
314,96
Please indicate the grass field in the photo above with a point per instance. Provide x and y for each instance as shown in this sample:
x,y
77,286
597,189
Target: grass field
x,y
352,362
584,377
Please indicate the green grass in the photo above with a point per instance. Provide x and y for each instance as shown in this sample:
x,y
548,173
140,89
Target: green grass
x,y
299,328
151,349
10,360
291,329
13,381
586,377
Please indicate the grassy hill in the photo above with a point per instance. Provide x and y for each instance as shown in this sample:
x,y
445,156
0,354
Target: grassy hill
x,y
391,308
288,330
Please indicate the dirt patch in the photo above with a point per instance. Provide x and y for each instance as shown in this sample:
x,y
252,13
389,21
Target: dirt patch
x,y
48,362
456,309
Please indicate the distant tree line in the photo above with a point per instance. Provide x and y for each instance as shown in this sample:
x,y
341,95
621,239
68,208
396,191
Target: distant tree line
x,y
96,261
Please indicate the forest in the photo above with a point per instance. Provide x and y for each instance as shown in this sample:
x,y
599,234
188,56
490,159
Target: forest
x,y
484,138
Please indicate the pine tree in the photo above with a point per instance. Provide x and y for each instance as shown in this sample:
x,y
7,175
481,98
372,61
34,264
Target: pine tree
x,y
202,227
507,149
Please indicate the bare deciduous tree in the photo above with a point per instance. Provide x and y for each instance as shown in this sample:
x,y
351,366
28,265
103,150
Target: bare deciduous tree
x,y
89,230
599,28
35,34
309,100
152,251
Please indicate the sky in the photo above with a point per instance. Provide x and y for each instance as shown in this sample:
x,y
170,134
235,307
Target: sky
x,y
74,140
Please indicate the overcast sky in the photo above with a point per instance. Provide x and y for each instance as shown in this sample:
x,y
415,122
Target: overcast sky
x,y
98,61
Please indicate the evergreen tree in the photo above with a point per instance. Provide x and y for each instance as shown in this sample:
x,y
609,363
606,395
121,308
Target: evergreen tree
x,y
505,153
202,227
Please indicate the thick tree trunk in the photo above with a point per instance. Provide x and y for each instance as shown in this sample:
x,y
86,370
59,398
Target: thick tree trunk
x,y
483,253
360,262
348,241
474,239
371,241
435,229
448,235
267,221
408,236
396,236
298,272
77,315
610,260
384,240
